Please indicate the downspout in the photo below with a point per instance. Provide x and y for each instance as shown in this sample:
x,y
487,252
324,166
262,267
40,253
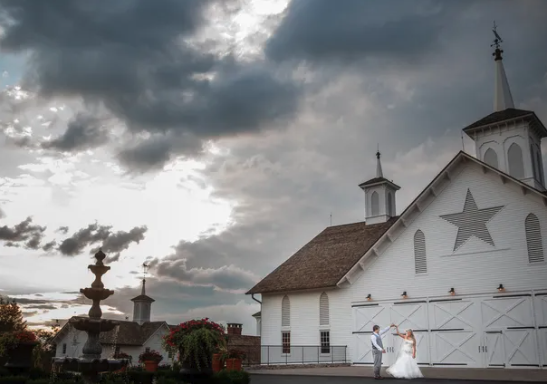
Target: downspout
x,y
259,302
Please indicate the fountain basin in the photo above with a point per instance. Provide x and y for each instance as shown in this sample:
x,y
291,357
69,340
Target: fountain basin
x,y
89,366
93,325
97,293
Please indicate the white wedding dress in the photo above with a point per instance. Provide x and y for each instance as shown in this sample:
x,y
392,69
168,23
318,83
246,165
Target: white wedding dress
x,y
405,367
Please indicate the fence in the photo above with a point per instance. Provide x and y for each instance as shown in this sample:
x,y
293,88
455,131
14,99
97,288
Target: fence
x,y
299,354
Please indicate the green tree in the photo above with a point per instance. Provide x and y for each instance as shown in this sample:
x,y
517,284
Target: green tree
x,y
11,317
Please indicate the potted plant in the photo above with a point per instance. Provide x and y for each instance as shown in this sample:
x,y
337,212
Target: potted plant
x,y
196,341
18,347
234,358
123,356
151,360
218,360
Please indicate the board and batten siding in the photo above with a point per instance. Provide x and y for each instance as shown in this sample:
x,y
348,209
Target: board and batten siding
x,y
306,324
474,268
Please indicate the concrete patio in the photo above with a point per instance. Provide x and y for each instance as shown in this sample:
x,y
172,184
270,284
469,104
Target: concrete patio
x,y
497,375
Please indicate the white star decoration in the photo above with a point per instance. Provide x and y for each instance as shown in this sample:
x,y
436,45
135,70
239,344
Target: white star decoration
x,y
472,221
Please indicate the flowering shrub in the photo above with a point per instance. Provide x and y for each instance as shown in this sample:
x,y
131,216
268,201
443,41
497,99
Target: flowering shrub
x,y
196,341
25,337
151,355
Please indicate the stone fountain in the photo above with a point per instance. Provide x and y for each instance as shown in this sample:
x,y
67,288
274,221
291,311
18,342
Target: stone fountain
x,y
90,364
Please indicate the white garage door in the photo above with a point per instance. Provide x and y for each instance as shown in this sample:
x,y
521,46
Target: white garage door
x,y
473,332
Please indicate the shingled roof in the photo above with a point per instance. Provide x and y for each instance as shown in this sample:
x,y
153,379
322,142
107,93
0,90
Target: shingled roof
x,y
325,260
128,333
507,115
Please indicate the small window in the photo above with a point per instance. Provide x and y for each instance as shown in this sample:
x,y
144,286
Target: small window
x,y
286,341
117,351
147,349
64,349
491,158
516,164
375,204
325,341
534,241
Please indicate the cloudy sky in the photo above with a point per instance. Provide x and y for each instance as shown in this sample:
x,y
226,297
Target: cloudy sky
x,y
214,138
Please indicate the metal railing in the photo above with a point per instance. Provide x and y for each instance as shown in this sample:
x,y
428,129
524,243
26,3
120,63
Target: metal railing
x,y
298,354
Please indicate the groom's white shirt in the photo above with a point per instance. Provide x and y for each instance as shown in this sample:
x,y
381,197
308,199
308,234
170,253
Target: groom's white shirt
x,y
373,337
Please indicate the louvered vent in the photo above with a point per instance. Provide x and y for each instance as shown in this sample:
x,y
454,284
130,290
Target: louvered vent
x,y
286,312
533,239
420,262
324,309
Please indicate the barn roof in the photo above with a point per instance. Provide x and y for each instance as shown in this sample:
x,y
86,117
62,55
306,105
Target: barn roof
x,y
325,260
128,333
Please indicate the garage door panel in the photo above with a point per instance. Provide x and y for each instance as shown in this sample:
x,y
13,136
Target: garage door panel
x,y
540,305
499,313
409,316
452,348
454,314
365,317
521,347
494,349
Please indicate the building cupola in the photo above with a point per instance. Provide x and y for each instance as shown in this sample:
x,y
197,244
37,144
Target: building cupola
x,y
509,139
142,304
379,196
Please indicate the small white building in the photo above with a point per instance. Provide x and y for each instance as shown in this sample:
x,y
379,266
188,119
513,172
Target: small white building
x,y
130,337
463,265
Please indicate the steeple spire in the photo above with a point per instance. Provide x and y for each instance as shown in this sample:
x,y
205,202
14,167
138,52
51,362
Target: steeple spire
x,y
502,93
379,172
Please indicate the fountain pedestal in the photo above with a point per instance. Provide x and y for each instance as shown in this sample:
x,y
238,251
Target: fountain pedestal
x,y
90,364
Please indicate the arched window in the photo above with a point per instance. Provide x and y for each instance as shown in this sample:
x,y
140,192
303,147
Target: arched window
x,y
374,204
390,204
533,239
420,262
324,309
533,158
516,164
540,165
285,312
491,158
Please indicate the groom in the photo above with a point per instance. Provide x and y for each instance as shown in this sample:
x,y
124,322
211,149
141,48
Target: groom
x,y
378,348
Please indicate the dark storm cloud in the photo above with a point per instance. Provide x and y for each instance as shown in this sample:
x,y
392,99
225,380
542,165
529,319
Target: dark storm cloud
x,y
63,230
133,59
326,30
111,242
83,132
23,234
226,277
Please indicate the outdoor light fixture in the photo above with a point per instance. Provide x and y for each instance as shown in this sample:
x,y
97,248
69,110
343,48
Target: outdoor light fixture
x,y
404,295
501,288
452,291
369,297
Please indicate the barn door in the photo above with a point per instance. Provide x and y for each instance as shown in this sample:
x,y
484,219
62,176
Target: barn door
x,y
411,315
364,318
513,316
493,349
455,332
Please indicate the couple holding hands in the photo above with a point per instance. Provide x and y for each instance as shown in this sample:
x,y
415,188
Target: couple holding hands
x,y
405,367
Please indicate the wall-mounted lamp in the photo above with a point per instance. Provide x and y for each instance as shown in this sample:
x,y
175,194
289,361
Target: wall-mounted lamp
x,y
452,291
404,295
369,297
501,288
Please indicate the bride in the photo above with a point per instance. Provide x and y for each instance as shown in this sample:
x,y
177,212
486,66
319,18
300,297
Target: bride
x,y
406,367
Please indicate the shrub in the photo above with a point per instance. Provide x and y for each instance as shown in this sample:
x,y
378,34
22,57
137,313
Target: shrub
x,y
13,380
150,356
232,377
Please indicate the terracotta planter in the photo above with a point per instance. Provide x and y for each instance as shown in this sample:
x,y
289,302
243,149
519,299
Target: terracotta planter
x,y
233,364
217,365
21,356
151,366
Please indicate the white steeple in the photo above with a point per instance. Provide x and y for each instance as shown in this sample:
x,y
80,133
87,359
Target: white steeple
x,y
502,93
142,304
379,196
509,139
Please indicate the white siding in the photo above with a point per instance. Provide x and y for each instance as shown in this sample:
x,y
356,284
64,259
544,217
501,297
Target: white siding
x,y
476,267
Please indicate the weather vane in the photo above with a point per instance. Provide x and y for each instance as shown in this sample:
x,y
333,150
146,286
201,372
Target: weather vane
x,y
144,267
497,43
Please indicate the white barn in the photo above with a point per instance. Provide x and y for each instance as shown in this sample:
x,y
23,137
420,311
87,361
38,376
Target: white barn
x,y
463,265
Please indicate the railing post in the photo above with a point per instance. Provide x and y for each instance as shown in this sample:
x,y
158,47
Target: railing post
x,y
345,354
287,355
268,359
332,354
318,350
302,355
